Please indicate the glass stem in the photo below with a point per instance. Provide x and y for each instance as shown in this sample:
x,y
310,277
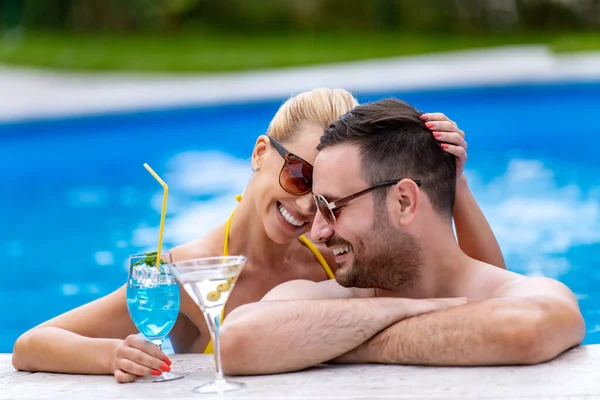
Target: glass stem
x,y
215,322
158,343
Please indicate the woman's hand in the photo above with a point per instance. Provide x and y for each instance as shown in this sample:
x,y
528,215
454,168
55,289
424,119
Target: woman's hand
x,y
452,138
136,357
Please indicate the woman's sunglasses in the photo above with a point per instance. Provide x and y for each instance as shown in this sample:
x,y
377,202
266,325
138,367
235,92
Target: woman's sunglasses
x,y
296,174
328,209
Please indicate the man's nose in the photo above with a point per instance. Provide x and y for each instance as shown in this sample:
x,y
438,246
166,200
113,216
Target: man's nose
x,y
320,231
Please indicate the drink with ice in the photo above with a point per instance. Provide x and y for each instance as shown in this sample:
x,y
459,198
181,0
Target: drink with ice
x,y
153,301
153,310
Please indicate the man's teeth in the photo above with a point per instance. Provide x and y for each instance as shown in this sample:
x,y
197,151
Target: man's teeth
x,y
341,250
291,220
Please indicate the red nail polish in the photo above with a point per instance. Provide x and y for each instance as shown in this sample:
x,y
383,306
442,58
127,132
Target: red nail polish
x,y
429,124
424,117
167,361
165,367
156,372
444,146
437,134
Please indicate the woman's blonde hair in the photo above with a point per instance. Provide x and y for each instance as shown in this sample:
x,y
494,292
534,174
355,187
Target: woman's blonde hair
x,y
319,106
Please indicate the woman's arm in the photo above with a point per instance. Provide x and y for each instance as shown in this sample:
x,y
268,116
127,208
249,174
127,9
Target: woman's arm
x,y
475,236
100,338
86,340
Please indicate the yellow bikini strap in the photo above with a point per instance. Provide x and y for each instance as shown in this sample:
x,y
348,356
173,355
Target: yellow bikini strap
x,y
228,227
302,238
318,256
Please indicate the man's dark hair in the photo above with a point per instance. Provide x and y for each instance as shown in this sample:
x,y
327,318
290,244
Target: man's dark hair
x,y
394,143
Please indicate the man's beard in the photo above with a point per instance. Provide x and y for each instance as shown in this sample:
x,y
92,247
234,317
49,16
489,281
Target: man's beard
x,y
390,259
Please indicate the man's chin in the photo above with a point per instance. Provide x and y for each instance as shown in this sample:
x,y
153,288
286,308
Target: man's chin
x,y
343,282
341,276
344,276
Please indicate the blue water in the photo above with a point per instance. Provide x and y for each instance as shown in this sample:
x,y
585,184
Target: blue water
x,y
76,200
153,310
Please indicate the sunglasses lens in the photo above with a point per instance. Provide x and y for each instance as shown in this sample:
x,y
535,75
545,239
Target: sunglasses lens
x,y
296,176
324,209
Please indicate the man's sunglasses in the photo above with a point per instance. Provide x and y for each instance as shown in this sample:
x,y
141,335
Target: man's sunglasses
x,y
296,175
328,209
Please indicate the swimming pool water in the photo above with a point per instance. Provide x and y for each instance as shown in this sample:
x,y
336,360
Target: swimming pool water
x,y
76,200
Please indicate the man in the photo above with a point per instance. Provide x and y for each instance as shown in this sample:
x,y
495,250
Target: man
x,y
404,293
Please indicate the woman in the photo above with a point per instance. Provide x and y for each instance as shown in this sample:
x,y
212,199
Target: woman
x,y
267,227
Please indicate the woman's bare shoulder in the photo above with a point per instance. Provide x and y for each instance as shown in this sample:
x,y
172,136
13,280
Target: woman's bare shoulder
x,y
209,245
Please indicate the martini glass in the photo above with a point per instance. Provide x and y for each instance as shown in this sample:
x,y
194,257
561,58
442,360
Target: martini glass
x,y
209,282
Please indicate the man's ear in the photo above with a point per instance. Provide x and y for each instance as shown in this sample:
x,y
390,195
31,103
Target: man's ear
x,y
403,201
260,148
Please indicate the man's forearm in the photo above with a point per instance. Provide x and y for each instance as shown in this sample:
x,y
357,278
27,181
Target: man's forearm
x,y
282,336
475,236
494,332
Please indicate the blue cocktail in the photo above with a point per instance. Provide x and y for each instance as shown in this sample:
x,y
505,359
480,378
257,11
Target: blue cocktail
x,y
153,301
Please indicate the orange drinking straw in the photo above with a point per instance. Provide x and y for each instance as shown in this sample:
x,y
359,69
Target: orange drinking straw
x,y
162,214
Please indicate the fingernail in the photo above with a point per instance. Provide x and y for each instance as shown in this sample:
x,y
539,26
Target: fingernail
x,y
444,146
156,372
429,124
424,117
167,361
165,367
437,134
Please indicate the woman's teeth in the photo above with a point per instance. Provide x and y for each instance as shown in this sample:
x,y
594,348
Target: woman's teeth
x,y
341,250
290,220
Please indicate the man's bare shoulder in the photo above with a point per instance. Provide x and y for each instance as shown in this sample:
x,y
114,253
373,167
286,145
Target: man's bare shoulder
x,y
536,286
487,281
308,290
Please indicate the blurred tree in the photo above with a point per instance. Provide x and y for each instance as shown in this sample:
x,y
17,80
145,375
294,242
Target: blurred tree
x,y
551,15
388,14
46,14
268,16
173,13
10,14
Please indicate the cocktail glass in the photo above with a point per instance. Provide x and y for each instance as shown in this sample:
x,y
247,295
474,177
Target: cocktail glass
x,y
153,301
209,282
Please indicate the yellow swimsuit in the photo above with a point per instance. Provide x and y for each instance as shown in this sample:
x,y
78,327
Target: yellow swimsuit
x,y
209,348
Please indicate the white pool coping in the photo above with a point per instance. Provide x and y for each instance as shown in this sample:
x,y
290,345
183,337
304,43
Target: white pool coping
x,y
573,375
31,93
